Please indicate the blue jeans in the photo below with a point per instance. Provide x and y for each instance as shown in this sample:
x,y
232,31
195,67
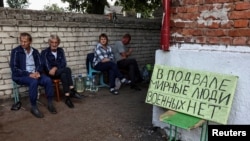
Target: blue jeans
x,y
112,70
33,84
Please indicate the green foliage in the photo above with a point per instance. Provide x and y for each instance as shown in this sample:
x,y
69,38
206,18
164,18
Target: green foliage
x,y
53,7
87,6
146,7
20,4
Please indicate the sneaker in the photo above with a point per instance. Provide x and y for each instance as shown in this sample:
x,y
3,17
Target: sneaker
x,y
114,91
125,81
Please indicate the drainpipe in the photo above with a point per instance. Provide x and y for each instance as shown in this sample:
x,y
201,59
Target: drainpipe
x,y
165,29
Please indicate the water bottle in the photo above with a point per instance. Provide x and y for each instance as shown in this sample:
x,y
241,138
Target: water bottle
x,y
94,88
87,83
90,83
79,84
73,79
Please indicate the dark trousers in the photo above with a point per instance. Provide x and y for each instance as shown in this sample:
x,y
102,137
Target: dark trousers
x,y
112,70
131,66
33,84
65,76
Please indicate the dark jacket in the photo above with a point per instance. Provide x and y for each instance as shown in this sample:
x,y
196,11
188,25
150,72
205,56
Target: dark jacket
x,y
50,61
18,62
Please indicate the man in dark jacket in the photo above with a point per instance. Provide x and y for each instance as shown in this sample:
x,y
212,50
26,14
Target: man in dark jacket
x,y
26,67
55,64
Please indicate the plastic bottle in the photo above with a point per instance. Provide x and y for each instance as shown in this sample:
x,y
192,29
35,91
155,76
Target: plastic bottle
x,y
73,79
93,86
87,83
90,83
79,84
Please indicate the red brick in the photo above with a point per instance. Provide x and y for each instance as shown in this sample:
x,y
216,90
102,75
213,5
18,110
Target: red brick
x,y
242,6
205,7
181,10
217,1
185,24
190,16
214,25
179,39
179,24
226,40
239,41
239,33
227,25
189,40
173,10
190,2
191,24
192,9
200,40
241,23
239,14
215,33
248,42
193,32
213,40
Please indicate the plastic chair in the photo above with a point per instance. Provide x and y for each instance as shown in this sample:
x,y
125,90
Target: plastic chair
x,y
17,103
91,71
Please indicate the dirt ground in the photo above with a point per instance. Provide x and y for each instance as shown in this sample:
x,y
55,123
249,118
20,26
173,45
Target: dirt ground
x,y
98,116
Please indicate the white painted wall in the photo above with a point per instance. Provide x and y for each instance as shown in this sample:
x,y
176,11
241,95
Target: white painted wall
x,y
233,60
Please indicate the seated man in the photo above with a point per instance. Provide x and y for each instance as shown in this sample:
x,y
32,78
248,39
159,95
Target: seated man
x,y
26,67
104,61
54,60
122,53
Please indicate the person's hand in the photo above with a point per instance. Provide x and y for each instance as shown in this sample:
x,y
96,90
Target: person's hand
x,y
35,75
129,52
105,60
52,71
32,75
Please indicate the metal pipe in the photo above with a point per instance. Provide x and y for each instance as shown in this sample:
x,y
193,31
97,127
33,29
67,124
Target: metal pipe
x,y
165,29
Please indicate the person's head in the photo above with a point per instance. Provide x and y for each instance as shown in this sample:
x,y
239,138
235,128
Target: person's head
x,y
103,39
126,39
25,40
54,42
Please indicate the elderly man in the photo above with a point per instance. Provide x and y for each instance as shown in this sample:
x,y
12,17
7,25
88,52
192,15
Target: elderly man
x,y
56,67
26,67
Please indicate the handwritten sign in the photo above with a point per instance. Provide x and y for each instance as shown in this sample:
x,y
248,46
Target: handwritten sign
x,y
201,94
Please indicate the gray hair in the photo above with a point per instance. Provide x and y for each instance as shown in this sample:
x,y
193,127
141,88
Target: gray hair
x,y
55,37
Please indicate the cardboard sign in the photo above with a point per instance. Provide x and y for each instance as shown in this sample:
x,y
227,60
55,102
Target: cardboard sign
x,y
201,94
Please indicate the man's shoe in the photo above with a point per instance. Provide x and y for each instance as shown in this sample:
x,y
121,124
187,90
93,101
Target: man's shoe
x,y
16,106
135,88
35,111
74,94
69,103
52,109
125,81
113,91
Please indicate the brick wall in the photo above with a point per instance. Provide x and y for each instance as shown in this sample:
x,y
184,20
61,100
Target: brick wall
x,y
220,22
79,34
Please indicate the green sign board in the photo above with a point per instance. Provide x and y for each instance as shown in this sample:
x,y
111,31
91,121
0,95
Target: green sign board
x,y
201,94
